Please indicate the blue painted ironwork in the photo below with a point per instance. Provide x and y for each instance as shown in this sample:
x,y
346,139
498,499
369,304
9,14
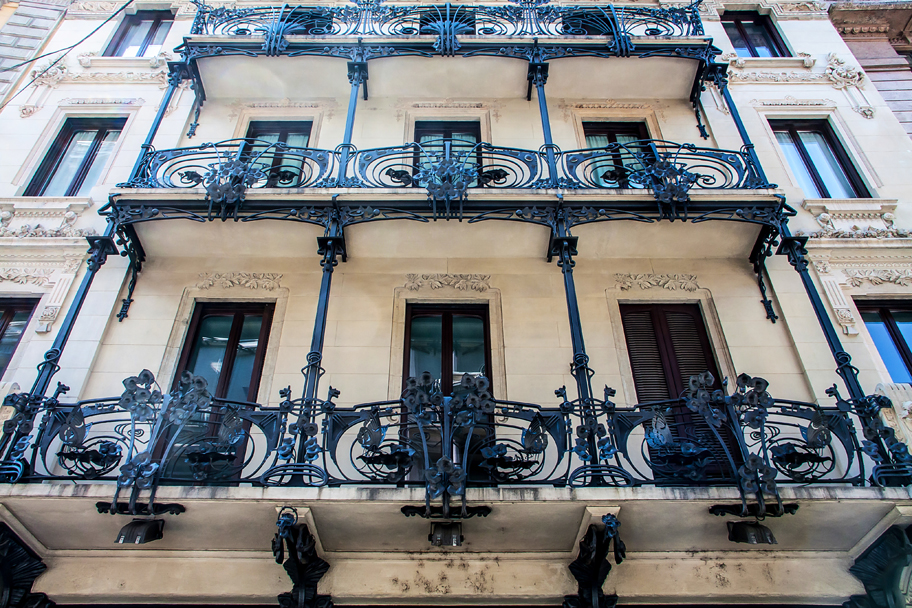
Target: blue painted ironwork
x,y
591,567
446,23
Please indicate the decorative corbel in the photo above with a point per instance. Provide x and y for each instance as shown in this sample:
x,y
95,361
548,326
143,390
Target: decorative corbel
x,y
591,567
304,567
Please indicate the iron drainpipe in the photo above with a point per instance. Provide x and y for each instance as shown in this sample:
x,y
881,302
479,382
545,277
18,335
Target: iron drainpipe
x,y
793,247
174,81
538,76
357,75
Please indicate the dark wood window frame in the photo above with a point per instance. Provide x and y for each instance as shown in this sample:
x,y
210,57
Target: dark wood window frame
x,y
156,17
762,21
445,128
285,128
54,156
845,163
611,129
10,307
885,310
239,309
413,310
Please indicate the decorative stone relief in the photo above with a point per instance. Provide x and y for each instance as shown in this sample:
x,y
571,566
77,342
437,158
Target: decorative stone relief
x,y
854,219
327,105
772,76
790,101
856,277
567,107
901,414
89,59
26,276
685,282
462,282
737,61
251,280
64,230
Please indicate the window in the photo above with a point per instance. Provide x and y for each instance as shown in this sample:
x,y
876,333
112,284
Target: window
x,y
667,344
14,316
141,35
282,169
818,161
753,35
613,171
463,134
448,341
226,345
890,326
74,163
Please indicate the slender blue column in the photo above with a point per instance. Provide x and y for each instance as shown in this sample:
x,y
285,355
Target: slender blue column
x,y
538,76
357,75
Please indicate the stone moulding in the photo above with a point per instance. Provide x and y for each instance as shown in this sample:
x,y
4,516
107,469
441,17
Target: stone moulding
x,y
673,282
857,277
267,281
462,282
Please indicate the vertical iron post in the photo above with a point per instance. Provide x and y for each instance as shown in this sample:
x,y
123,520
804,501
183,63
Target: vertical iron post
x,y
794,248
174,80
29,404
357,75
330,246
563,246
538,76
722,84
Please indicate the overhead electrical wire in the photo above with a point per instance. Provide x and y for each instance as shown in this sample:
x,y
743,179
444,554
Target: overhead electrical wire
x,y
64,50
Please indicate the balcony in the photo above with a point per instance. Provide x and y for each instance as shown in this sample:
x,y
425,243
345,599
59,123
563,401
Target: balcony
x,y
225,43
442,179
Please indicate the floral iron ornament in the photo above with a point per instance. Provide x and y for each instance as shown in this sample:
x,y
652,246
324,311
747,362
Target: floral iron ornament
x,y
226,185
166,415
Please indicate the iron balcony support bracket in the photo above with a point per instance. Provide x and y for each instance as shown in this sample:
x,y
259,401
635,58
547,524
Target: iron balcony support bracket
x,y
19,567
763,248
296,549
132,248
591,567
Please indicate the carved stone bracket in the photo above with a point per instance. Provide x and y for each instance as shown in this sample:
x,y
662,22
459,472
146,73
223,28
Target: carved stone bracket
x,y
267,281
462,282
683,282
854,219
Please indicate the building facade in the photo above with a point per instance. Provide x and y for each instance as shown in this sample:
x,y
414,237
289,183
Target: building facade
x,y
375,303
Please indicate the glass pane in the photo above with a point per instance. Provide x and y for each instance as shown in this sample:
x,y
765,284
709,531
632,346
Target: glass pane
x,y
737,40
291,164
760,37
596,141
99,163
158,38
11,336
208,352
70,161
426,346
133,39
889,354
796,163
468,347
244,359
903,320
827,165
464,141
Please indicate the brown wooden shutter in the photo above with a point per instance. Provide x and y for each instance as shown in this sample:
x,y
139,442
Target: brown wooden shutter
x,y
667,343
645,355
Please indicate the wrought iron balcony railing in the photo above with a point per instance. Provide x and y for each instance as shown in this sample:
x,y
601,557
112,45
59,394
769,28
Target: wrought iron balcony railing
x,y
747,439
446,169
448,23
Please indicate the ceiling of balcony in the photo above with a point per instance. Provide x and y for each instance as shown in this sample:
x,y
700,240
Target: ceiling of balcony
x,y
419,77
